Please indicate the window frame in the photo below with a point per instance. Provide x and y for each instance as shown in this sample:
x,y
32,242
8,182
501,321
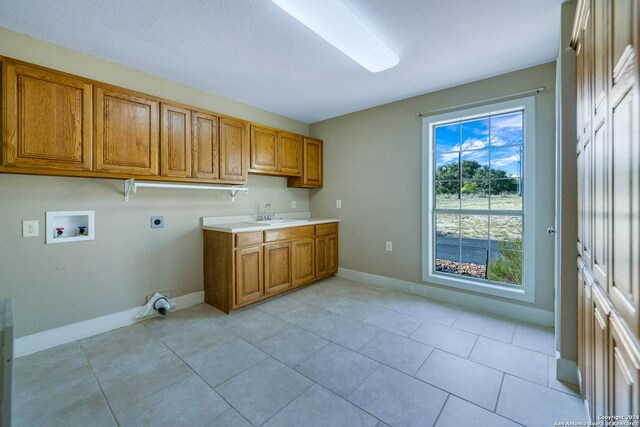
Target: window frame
x,y
526,292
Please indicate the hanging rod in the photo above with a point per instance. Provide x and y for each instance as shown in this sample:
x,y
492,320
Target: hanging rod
x,y
469,104
130,185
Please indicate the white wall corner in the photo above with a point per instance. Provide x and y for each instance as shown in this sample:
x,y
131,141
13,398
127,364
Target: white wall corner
x,y
451,296
50,338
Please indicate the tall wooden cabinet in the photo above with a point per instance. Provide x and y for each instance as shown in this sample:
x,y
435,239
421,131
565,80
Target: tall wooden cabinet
x,y
606,39
47,119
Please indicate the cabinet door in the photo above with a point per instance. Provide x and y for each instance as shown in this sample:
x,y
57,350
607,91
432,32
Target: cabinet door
x,y
326,255
264,149
332,254
581,318
601,311
587,201
290,153
303,257
277,267
175,141
47,119
322,263
600,202
249,284
312,165
206,146
126,132
233,150
625,199
624,370
587,313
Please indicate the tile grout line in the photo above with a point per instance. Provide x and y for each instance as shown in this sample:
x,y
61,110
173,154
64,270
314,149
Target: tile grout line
x,y
473,348
495,408
95,377
209,385
435,422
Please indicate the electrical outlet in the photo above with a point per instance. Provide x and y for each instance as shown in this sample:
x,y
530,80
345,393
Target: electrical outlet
x,y
30,228
388,246
338,204
157,222
293,204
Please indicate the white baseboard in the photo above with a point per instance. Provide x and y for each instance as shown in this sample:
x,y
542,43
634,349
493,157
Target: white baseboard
x,y
65,334
474,302
567,371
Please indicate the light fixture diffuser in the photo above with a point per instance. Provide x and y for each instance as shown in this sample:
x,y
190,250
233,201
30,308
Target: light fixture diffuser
x,y
336,23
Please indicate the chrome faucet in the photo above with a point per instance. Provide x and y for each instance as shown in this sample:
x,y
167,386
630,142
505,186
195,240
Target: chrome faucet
x,y
266,215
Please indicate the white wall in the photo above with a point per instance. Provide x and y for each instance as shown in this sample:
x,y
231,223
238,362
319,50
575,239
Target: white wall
x,y
373,164
55,285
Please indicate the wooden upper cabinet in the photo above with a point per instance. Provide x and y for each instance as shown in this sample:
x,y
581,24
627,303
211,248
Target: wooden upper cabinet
x,y
47,119
126,132
311,165
175,141
205,146
234,146
290,153
264,150
275,152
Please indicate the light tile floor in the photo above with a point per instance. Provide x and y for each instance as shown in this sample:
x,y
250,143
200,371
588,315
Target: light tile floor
x,y
337,353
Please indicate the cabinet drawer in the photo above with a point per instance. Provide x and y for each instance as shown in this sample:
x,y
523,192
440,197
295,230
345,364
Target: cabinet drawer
x,y
326,229
288,233
248,239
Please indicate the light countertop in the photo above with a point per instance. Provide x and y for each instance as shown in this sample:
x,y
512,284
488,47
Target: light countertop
x,y
247,223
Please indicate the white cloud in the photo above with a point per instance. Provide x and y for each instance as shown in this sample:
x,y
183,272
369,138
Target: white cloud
x,y
447,157
474,143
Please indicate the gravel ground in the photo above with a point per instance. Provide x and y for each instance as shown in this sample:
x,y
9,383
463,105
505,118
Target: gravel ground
x,y
464,268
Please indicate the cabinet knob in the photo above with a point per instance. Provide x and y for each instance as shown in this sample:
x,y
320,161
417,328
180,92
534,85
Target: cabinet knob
x,y
551,231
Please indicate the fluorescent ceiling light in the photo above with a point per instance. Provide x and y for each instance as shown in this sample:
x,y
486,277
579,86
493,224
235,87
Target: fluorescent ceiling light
x,y
336,23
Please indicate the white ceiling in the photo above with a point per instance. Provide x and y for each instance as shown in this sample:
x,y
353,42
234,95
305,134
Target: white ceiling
x,y
253,52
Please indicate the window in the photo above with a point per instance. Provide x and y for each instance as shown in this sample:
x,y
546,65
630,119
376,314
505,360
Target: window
x,y
475,198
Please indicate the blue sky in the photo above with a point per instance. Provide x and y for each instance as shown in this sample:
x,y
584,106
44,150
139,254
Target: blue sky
x,y
472,137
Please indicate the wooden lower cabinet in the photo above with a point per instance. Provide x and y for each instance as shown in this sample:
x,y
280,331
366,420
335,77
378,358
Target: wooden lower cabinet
x,y
249,275
277,273
243,268
303,256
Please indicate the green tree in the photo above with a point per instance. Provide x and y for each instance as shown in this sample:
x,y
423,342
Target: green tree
x,y
473,170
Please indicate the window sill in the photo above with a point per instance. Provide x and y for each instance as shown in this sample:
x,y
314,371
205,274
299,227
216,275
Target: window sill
x,y
481,288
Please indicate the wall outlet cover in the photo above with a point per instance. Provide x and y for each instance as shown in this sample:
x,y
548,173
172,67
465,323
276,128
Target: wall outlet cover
x,y
338,204
293,204
157,222
30,228
388,246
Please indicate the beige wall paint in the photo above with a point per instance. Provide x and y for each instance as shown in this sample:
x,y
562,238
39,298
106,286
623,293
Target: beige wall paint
x,y
55,285
373,163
